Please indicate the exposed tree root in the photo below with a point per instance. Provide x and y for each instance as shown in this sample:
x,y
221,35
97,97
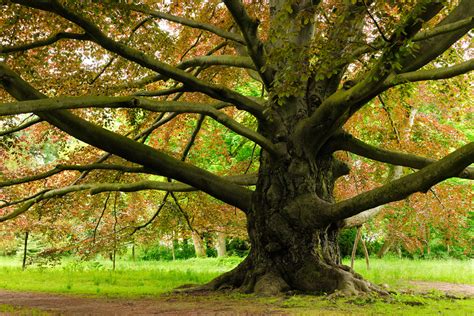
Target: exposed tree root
x,y
336,280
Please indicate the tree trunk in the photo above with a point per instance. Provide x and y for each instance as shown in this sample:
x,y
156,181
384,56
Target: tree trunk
x,y
289,252
220,245
198,245
25,250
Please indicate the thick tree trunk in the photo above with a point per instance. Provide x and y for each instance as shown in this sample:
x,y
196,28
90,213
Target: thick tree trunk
x,y
288,253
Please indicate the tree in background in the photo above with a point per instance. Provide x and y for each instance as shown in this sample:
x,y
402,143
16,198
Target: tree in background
x,y
319,63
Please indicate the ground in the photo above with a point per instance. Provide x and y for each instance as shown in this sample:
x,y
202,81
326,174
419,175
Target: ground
x,y
442,298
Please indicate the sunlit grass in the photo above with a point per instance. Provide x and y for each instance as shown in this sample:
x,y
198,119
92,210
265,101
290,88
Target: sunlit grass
x,y
395,271
150,278
130,279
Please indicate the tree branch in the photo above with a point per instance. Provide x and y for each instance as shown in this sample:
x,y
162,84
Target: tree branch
x,y
97,188
214,91
435,46
249,27
61,168
420,181
338,108
430,74
349,143
45,42
187,22
128,149
220,60
20,127
62,103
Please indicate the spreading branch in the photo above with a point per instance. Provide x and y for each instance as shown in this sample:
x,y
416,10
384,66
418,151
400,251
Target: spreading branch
x,y
248,27
147,61
420,181
349,143
62,103
430,74
97,188
128,149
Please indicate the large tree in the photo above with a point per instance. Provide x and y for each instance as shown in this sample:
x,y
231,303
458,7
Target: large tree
x,y
318,62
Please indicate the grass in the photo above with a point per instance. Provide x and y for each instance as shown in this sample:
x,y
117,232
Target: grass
x,y
150,278
130,279
14,310
395,271
137,279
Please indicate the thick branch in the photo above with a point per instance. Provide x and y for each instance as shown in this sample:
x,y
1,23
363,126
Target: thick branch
x,y
248,27
435,46
349,143
430,74
214,91
129,149
45,42
97,188
420,181
361,218
337,108
62,103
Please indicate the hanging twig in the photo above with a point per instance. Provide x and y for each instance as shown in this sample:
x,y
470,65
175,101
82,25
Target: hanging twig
x,y
392,123
376,24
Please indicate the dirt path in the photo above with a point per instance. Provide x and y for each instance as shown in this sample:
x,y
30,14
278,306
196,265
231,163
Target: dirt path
x,y
464,290
57,304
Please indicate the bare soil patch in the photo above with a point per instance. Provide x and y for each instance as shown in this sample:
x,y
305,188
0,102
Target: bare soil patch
x,y
57,304
465,290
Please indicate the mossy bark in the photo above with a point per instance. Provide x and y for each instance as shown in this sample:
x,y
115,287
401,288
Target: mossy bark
x,y
289,252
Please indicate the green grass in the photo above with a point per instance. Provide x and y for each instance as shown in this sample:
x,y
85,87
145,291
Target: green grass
x,y
150,278
130,279
14,310
395,271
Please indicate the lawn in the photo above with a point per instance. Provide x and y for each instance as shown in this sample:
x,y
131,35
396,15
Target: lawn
x,y
149,279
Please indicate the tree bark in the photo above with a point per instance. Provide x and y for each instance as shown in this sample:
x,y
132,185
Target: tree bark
x,y
198,245
220,245
288,252
25,250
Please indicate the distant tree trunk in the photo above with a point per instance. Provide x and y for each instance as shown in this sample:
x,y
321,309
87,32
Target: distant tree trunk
x,y
356,243
114,253
133,251
198,245
385,247
25,250
366,253
173,254
220,245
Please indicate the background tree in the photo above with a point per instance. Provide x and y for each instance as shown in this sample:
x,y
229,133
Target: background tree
x,y
318,62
